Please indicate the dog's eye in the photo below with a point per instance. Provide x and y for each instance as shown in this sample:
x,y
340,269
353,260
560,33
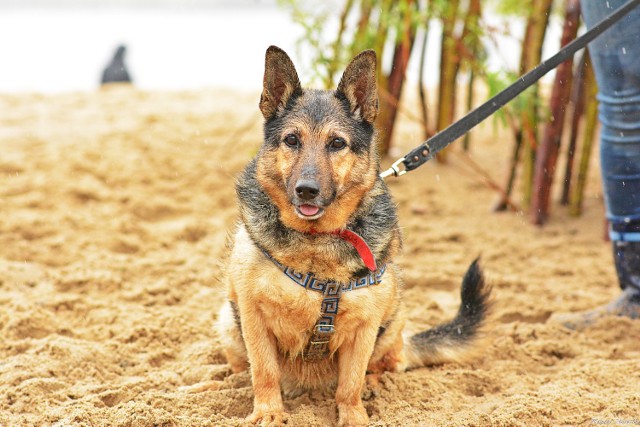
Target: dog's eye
x,y
337,144
292,141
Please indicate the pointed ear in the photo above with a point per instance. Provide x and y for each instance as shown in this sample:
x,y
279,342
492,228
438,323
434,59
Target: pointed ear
x,y
280,82
358,85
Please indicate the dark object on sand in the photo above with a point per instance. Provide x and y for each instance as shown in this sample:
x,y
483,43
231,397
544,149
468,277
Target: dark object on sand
x,y
116,71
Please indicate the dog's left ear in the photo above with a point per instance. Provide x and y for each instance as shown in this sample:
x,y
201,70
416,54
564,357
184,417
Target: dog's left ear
x,y
280,82
358,85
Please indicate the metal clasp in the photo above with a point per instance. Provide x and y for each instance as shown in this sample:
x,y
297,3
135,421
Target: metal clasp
x,y
318,346
319,330
394,169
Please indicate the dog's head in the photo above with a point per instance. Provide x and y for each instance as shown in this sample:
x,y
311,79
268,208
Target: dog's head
x,y
319,157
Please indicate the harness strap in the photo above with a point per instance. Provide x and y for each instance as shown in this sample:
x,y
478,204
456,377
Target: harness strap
x,y
309,281
318,346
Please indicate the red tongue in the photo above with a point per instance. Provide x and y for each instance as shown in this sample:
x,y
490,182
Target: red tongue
x,y
309,210
358,243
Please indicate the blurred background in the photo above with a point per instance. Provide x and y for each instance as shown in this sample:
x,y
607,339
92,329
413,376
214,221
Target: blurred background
x,y
63,45
439,59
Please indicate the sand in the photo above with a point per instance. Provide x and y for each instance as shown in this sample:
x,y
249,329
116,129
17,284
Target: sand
x,y
115,207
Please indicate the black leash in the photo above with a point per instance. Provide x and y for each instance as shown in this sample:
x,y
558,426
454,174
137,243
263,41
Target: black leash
x,y
425,152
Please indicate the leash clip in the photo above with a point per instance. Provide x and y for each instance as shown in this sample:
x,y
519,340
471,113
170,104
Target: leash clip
x,y
394,169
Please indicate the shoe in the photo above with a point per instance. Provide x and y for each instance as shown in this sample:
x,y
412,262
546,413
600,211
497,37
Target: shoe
x,y
626,305
626,255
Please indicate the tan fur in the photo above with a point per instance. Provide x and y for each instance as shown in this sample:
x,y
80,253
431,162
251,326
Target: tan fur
x,y
276,319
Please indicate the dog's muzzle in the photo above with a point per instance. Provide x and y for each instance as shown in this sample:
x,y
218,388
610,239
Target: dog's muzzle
x,y
307,199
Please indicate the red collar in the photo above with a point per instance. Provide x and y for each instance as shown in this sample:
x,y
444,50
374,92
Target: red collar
x,y
357,242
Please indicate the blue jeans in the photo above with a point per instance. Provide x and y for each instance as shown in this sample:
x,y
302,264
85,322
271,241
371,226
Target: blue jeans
x,y
616,59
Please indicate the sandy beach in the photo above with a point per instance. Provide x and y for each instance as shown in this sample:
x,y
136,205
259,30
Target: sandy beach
x,y
115,208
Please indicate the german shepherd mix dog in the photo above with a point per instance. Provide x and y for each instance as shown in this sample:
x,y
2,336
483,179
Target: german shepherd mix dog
x,y
313,294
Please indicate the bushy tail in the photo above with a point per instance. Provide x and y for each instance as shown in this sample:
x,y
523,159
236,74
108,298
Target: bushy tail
x,y
452,341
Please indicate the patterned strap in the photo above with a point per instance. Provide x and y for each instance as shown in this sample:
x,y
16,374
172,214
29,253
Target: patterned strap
x,y
309,281
318,346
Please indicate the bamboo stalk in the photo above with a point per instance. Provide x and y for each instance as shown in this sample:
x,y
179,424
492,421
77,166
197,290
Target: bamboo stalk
x,y
547,153
588,136
529,144
395,80
366,7
361,37
471,43
382,34
467,138
425,6
503,203
332,66
535,31
577,100
448,67
424,103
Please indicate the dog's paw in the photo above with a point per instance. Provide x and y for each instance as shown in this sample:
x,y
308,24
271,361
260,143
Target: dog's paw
x,y
352,416
268,418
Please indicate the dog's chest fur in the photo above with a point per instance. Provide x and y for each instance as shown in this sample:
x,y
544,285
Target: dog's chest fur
x,y
289,310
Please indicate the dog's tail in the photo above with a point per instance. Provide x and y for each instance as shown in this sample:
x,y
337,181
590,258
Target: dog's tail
x,y
452,341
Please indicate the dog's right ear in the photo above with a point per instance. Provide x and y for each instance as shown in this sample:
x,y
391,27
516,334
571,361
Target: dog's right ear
x,y
280,82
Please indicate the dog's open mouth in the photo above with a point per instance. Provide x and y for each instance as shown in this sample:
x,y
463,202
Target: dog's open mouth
x,y
306,211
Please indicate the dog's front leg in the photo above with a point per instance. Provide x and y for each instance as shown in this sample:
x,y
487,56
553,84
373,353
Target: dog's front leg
x,y
353,356
265,372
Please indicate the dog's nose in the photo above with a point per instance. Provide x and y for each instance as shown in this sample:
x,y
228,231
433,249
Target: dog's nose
x,y
307,189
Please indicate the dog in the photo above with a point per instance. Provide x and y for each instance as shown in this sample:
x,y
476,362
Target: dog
x,y
314,297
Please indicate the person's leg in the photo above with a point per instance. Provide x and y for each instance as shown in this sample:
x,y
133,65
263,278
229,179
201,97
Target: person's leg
x,y
616,60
